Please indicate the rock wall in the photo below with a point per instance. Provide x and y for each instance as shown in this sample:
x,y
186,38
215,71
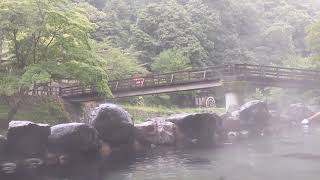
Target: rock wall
x,y
80,149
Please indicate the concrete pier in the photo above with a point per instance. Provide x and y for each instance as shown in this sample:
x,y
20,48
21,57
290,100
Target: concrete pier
x,y
232,101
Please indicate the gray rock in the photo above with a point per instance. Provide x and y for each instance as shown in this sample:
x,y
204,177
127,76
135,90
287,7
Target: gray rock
x,y
27,139
297,112
73,138
254,115
231,121
156,131
198,127
197,160
3,142
114,124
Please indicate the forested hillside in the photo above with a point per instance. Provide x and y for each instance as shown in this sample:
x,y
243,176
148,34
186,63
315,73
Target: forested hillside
x,y
208,32
139,35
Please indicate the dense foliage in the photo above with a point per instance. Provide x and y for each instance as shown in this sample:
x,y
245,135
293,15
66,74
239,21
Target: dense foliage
x,y
46,40
96,40
209,32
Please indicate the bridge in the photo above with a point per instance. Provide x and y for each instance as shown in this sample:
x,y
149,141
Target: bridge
x,y
216,76
256,75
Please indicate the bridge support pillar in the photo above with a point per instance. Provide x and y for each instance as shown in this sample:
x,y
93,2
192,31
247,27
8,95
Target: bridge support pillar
x,y
232,101
234,91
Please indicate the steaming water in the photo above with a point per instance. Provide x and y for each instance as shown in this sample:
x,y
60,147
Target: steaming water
x,y
294,155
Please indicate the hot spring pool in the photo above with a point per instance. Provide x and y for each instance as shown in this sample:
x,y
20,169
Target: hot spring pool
x,y
294,154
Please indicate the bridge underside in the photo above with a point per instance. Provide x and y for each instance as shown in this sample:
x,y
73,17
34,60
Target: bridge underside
x,y
148,91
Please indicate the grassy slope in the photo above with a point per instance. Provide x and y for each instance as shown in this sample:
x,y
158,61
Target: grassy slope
x,y
41,113
141,113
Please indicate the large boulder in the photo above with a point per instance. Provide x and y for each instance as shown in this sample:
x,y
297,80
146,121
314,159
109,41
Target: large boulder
x,y
297,112
156,131
254,116
27,139
2,140
3,143
231,121
279,121
198,128
73,138
75,151
114,124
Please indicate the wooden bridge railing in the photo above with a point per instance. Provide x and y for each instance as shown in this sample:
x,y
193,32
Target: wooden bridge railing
x,y
246,72
43,91
277,73
151,81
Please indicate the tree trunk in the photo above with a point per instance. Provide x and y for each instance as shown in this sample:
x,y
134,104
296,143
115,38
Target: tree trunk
x,y
14,104
12,112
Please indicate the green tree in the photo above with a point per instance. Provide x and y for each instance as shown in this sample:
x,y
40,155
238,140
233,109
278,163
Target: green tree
x,y
46,39
121,63
114,21
169,24
171,60
313,42
313,38
150,27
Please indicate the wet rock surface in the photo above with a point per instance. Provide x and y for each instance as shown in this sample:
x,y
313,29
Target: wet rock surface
x,y
27,139
114,124
73,138
252,119
297,112
156,131
255,115
198,128
231,121
74,150
3,143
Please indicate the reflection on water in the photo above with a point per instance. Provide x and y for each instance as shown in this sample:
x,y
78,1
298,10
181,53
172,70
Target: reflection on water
x,y
294,155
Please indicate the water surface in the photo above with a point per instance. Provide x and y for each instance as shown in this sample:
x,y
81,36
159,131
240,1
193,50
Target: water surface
x,y
294,154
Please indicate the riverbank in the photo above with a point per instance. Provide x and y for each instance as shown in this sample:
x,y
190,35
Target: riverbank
x,y
50,113
39,113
